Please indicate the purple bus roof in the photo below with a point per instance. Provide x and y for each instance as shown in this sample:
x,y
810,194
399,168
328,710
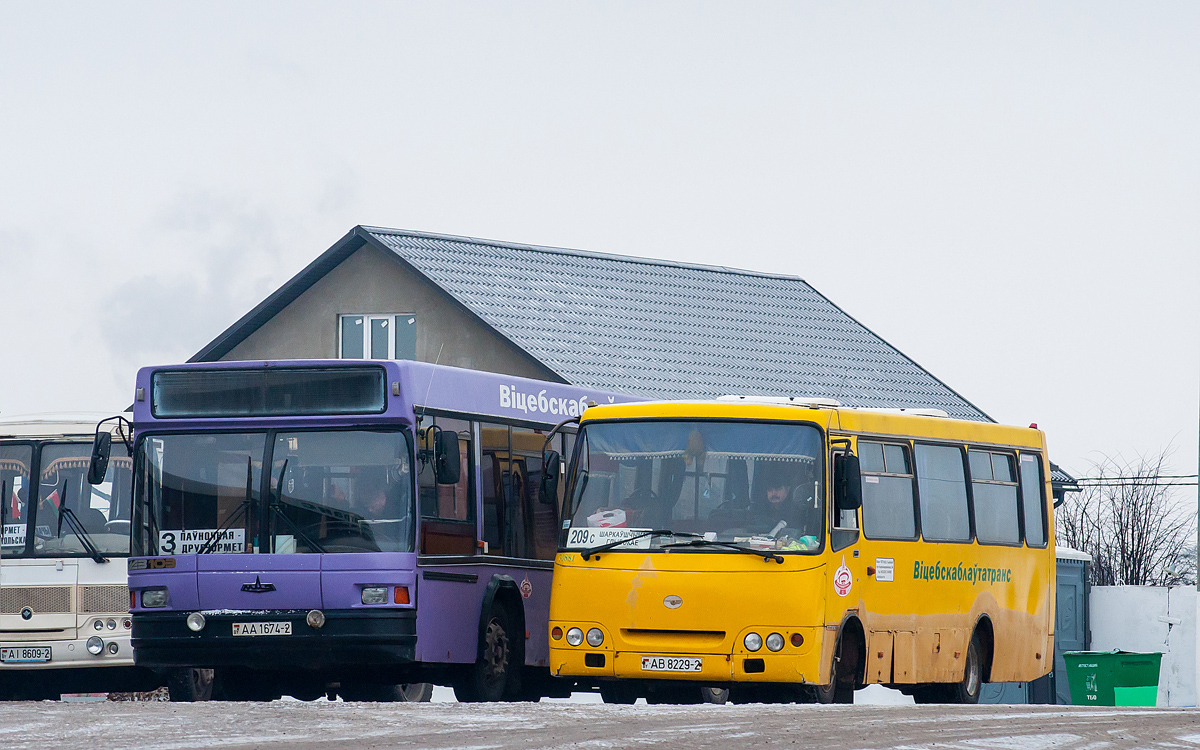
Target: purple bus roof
x,y
421,386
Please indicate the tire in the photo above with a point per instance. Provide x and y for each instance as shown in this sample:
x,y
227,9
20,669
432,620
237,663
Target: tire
x,y
968,690
620,693
377,692
417,692
714,695
495,675
190,685
841,683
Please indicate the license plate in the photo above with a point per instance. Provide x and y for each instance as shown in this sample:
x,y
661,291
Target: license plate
x,y
262,628
24,654
671,663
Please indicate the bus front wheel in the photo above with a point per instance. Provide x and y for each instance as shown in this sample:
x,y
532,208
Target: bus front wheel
x,y
841,674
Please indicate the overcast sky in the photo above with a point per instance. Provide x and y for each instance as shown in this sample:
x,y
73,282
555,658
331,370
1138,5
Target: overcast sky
x,y
1009,193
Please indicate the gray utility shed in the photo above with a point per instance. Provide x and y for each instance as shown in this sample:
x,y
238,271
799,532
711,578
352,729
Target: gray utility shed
x,y
649,327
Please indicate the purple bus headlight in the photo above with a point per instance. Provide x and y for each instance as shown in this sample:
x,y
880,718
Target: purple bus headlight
x,y
195,622
375,595
152,598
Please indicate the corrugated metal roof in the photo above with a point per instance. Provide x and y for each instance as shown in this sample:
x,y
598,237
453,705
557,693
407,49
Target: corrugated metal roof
x,y
671,330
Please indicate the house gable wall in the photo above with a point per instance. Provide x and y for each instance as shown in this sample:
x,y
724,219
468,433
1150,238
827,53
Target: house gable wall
x,y
373,281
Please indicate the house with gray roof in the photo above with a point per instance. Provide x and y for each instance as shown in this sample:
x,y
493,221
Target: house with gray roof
x,y
648,327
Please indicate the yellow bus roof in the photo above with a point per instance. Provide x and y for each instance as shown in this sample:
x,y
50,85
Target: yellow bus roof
x,y
914,423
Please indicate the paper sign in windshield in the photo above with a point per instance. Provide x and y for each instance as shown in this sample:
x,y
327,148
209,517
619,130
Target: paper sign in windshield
x,y
14,535
585,537
189,541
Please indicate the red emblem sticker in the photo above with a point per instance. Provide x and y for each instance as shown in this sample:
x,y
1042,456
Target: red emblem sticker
x,y
527,587
843,579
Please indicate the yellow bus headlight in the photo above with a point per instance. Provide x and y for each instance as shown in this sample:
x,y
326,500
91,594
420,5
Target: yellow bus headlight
x,y
574,636
753,641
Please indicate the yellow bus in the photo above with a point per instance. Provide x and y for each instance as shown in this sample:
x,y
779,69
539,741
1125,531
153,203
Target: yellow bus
x,y
796,550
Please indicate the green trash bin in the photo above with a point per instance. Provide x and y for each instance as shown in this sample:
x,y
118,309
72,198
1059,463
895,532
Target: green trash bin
x,y
1112,678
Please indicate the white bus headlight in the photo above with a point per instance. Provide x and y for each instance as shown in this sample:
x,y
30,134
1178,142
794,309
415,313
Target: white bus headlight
x,y
775,642
195,622
595,637
374,595
98,625
152,598
574,636
95,645
753,641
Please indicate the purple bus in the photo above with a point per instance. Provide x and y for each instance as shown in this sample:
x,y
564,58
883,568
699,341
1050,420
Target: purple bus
x,y
355,528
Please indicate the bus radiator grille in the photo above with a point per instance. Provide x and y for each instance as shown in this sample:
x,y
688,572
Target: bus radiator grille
x,y
103,599
40,599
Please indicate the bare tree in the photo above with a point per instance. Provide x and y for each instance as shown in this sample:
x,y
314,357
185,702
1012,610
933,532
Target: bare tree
x,y
1128,517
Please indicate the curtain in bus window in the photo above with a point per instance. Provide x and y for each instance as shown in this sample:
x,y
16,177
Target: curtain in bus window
x,y
887,507
1033,500
943,488
15,461
995,495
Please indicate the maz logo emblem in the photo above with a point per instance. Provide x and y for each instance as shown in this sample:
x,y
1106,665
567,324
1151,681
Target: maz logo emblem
x,y
673,602
258,587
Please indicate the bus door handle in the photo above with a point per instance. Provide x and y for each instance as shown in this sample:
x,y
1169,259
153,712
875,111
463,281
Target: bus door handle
x,y
870,570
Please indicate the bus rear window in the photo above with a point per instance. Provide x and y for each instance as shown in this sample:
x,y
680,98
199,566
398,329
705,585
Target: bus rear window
x,y
268,392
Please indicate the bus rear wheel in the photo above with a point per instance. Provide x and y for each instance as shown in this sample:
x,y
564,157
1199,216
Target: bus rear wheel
x,y
495,675
966,691
189,685
374,692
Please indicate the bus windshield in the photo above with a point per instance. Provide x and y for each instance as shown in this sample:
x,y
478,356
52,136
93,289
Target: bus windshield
x,y
101,510
714,484
326,491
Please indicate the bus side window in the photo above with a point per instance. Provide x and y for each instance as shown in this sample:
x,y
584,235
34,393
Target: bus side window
x,y
942,487
1033,500
539,520
447,510
887,488
494,476
994,490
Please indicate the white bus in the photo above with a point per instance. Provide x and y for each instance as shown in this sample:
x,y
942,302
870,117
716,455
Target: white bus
x,y
64,603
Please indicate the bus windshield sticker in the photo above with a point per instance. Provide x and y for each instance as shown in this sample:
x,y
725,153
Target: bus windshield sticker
x,y
585,537
14,535
189,541
885,569
843,579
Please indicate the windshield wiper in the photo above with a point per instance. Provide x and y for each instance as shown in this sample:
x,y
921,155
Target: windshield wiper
x,y
277,509
656,532
76,526
766,554
211,544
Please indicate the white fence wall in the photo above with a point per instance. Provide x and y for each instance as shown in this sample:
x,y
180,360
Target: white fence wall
x,y
1150,618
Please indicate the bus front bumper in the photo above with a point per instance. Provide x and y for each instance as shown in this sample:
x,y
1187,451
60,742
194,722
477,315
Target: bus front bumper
x,y
67,654
372,639
583,662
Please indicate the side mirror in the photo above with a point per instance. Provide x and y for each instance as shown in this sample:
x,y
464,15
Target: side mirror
x,y
101,450
548,488
447,462
847,482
